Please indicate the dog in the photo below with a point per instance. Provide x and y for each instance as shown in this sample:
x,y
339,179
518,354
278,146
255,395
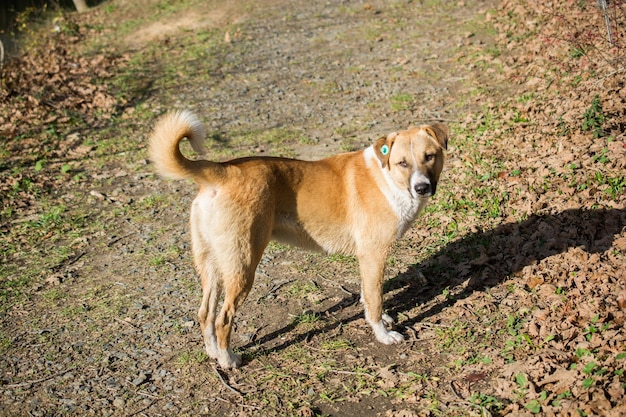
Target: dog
x,y
355,203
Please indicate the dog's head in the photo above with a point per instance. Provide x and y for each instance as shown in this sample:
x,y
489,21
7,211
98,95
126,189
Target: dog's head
x,y
414,157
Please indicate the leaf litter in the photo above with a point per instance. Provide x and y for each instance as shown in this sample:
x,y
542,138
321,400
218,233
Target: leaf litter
x,y
511,289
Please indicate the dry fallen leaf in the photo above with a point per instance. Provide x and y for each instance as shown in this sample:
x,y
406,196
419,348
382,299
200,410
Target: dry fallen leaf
x,y
561,378
81,150
388,377
55,279
97,194
535,281
621,300
476,376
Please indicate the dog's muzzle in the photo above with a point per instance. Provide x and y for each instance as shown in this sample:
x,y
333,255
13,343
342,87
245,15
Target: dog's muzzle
x,y
425,189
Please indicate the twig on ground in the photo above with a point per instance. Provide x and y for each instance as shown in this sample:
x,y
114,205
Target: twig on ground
x,y
237,404
412,332
336,371
609,75
223,381
336,284
125,322
434,326
117,239
37,381
68,262
274,289
141,410
145,394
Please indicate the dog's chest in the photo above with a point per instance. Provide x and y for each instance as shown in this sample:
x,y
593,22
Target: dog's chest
x,y
407,210
406,207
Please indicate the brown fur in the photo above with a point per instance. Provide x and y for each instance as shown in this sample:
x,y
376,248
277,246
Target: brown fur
x,y
345,203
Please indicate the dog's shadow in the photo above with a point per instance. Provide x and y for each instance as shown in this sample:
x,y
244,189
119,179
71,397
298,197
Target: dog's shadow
x,y
480,260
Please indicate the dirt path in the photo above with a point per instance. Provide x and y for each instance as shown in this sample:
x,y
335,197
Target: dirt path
x,y
491,287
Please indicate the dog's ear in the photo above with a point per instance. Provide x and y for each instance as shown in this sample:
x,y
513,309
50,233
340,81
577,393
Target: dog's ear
x,y
440,132
382,147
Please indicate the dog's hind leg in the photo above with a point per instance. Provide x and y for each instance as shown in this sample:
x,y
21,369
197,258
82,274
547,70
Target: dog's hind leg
x,y
231,243
236,290
211,291
372,267
207,266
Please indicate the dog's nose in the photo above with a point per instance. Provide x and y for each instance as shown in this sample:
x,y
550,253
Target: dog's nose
x,y
422,188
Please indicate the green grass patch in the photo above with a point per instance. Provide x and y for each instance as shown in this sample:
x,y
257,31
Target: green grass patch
x,y
402,101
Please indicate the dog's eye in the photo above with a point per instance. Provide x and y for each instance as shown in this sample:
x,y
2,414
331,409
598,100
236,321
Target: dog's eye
x,y
429,157
403,164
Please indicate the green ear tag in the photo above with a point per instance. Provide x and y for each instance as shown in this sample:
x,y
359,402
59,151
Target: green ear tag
x,y
384,149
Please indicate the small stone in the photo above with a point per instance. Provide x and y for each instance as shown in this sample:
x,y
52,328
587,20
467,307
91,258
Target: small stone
x,y
112,383
141,378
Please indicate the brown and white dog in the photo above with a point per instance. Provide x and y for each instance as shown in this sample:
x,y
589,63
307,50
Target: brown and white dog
x,y
355,203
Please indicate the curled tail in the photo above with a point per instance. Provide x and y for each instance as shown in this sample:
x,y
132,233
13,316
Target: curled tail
x,y
164,148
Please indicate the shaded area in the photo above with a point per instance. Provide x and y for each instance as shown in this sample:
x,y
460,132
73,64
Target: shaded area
x,y
504,251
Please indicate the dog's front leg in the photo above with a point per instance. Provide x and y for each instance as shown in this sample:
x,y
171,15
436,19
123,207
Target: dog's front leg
x,y
372,268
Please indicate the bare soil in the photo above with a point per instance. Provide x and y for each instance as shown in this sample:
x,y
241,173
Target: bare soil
x,y
510,289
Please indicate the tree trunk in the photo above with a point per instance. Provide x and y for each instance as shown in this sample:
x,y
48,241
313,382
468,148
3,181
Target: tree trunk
x,y
81,5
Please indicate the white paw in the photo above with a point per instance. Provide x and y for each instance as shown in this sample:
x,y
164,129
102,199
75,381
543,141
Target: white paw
x,y
387,320
227,359
390,338
384,336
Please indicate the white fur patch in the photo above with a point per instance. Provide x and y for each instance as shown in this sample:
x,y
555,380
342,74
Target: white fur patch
x,y
405,203
198,130
227,359
210,341
384,336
